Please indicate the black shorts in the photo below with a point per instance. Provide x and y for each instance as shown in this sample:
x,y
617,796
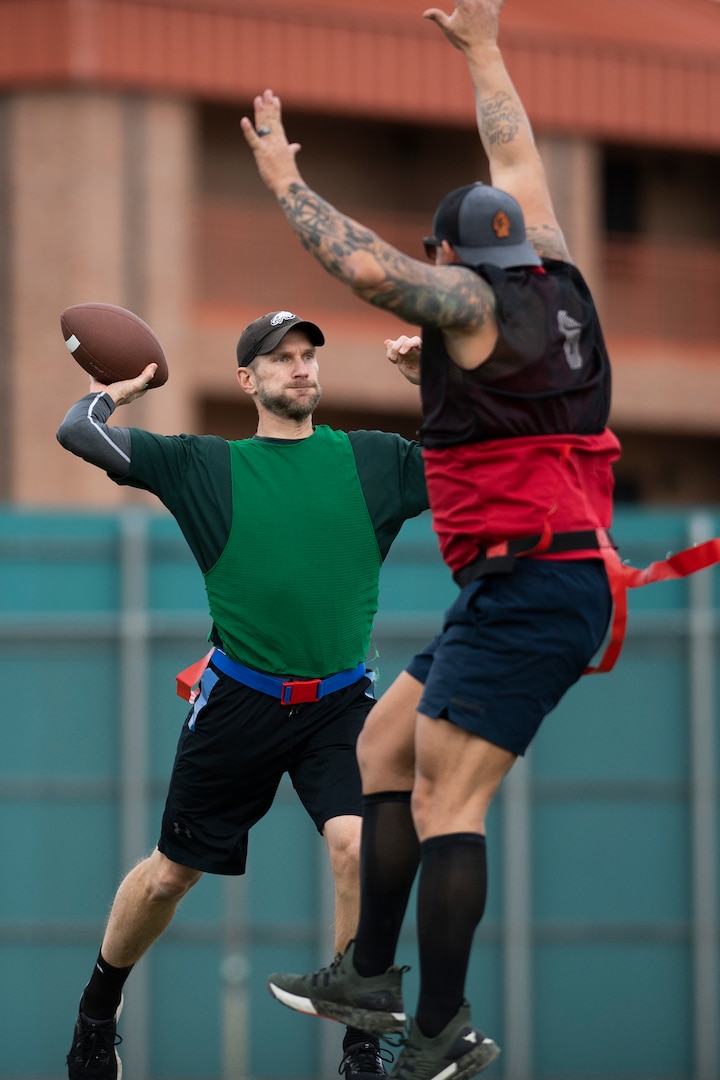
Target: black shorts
x,y
512,645
234,748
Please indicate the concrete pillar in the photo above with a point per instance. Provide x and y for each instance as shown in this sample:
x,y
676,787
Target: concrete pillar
x,y
6,321
100,208
573,171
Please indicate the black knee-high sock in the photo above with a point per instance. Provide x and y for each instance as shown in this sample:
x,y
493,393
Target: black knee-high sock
x,y
102,994
389,854
451,901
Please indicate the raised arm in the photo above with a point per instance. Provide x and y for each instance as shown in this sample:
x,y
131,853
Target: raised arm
x,y
377,272
505,131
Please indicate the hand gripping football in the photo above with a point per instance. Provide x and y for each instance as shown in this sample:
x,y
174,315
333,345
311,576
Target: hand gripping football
x,y
111,343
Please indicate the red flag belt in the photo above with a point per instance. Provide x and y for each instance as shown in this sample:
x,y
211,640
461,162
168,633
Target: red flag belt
x,y
498,558
623,577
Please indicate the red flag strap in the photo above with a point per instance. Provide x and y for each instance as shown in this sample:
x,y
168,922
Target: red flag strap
x,y
623,577
186,680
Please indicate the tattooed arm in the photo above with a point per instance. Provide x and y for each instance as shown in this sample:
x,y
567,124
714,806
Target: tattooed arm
x,y
505,131
450,297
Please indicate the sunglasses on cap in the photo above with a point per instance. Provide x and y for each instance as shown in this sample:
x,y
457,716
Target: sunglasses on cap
x,y
430,246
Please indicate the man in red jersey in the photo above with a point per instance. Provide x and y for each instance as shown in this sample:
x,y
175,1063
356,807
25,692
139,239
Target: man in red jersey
x,y
515,384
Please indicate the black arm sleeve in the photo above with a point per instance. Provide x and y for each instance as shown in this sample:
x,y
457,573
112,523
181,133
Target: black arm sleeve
x,y
85,433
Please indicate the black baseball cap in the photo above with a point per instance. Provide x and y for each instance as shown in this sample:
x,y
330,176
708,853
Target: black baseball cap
x,y
262,335
484,225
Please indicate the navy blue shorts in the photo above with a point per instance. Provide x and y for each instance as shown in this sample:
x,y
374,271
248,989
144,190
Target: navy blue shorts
x,y
511,645
233,750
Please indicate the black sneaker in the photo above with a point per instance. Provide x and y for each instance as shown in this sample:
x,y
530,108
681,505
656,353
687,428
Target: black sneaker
x,y
458,1052
364,1061
93,1054
337,992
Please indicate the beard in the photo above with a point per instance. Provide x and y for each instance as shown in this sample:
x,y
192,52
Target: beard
x,y
288,405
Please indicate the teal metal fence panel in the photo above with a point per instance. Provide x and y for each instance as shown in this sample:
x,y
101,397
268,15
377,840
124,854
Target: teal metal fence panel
x,y
598,954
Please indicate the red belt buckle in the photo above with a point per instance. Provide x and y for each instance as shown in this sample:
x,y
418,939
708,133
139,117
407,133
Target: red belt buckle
x,y
295,693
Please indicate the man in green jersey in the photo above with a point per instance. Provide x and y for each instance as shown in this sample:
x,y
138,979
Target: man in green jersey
x,y
290,529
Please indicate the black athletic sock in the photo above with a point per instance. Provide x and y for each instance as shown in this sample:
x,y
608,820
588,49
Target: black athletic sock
x,y
102,994
389,855
451,901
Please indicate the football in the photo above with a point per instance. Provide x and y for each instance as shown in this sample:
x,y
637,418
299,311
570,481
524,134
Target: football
x,y
111,343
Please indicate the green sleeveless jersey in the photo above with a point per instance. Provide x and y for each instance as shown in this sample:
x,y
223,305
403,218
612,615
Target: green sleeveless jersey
x,y
289,534
297,583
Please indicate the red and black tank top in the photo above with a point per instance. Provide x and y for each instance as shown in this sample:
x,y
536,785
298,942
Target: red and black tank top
x,y
522,440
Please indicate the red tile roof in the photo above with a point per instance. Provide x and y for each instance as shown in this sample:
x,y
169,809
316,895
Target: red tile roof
x,y
646,70
670,25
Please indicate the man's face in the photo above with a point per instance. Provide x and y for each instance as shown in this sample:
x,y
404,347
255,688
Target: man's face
x,y
286,380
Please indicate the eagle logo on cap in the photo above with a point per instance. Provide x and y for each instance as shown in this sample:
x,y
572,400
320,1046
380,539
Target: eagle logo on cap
x,y
501,225
280,317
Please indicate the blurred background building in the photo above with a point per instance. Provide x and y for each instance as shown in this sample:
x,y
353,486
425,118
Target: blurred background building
x,y
124,178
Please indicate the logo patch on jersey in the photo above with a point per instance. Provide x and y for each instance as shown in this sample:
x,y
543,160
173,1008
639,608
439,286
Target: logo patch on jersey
x,y
280,317
570,329
501,225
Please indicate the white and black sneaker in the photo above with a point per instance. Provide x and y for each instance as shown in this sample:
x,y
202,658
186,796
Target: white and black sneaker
x,y
457,1053
364,1061
372,1004
93,1054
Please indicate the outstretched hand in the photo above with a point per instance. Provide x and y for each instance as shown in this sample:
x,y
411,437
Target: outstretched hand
x,y
404,352
126,391
274,155
473,22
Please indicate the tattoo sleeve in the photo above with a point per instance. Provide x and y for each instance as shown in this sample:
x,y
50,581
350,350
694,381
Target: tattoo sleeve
x,y
549,242
499,120
381,274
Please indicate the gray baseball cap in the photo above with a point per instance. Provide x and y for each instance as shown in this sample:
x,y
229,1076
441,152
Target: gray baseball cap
x,y
483,225
262,335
